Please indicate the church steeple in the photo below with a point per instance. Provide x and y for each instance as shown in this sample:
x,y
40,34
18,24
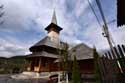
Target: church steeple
x,y
53,29
54,20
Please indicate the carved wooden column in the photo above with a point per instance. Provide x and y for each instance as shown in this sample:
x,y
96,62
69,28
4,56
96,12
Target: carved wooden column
x,y
39,64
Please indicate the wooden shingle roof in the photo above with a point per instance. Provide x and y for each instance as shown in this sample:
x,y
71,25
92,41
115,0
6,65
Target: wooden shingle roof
x,y
43,54
49,42
53,23
82,51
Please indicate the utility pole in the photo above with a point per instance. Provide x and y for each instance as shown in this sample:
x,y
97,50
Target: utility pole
x,y
107,34
105,27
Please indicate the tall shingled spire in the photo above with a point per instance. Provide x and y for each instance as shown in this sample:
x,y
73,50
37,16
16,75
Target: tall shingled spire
x,y
53,27
54,20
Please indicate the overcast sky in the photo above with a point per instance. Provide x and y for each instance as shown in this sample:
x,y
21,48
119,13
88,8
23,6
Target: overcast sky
x,y
25,20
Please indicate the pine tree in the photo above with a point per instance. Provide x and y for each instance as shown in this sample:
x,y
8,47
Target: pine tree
x,y
76,78
96,66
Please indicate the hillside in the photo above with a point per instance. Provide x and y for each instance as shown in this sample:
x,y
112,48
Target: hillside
x,y
14,64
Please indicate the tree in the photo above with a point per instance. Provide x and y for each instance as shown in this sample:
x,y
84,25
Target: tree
x,y
66,58
76,78
66,63
96,66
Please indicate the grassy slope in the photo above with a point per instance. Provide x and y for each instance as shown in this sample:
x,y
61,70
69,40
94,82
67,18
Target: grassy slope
x,y
9,65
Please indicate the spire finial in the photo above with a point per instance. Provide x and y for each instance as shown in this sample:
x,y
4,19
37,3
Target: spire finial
x,y
54,20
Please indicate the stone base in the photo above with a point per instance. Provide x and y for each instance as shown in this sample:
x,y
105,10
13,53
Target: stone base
x,y
26,75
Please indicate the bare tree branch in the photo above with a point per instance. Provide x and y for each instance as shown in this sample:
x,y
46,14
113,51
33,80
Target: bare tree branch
x,y
1,14
1,6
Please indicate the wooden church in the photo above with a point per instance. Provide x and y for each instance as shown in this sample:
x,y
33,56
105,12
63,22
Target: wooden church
x,y
45,53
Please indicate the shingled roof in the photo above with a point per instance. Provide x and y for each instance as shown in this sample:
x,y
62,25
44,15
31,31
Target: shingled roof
x,y
47,41
43,54
82,51
53,23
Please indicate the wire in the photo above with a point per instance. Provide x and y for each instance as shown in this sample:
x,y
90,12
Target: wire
x,y
110,39
111,21
94,13
101,12
105,31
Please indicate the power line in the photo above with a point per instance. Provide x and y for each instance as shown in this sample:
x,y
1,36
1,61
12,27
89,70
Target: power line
x,y
94,13
112,21
101,11
105,31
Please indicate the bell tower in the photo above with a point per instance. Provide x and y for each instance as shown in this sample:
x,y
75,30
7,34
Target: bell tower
x,y
53,29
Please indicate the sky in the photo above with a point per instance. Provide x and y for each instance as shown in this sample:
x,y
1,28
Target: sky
x,y
25,20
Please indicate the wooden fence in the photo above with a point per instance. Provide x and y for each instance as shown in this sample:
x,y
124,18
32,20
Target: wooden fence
x,y
113,66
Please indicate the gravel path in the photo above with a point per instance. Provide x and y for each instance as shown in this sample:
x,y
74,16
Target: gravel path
x,y
8,79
